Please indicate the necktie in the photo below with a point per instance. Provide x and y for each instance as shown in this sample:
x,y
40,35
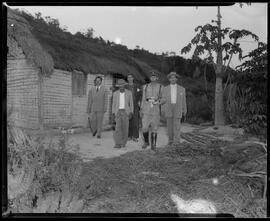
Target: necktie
x,y
97,89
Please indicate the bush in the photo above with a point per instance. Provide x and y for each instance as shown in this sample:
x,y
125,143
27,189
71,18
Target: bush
x,y
246,97
199,109
246,105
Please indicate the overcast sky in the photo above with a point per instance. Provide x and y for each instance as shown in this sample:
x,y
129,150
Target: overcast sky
x,y
157,29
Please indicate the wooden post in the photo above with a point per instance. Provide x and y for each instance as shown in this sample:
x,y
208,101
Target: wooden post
x,y
40,102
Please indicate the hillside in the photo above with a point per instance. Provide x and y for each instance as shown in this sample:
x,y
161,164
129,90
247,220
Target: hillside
x,y
95,55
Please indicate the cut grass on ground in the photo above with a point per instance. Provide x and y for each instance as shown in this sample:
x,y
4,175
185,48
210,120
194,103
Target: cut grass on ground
x,y
142,181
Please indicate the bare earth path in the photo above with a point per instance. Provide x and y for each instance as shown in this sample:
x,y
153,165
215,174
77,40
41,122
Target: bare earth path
x,y
91,147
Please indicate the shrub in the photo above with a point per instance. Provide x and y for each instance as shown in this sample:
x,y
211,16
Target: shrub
x,y
246,96
199,109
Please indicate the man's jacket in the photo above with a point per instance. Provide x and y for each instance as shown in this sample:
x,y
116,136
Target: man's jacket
x,y
128,102
181,106
97,100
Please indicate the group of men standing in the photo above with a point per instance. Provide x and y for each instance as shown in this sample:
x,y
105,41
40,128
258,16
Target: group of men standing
x,y
132,103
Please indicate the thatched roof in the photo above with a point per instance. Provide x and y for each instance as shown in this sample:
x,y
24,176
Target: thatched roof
x,y
19,29
48,49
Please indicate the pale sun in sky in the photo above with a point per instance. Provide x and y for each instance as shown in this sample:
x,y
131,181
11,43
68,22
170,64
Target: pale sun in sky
x,y
118,40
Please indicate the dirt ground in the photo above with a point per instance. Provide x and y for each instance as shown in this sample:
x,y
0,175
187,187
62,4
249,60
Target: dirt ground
x,y
91,147
136,181
217,165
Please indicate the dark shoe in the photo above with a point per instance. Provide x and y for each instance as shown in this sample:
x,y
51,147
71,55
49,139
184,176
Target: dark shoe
x,y
123,146
170,143
98,136
176,143
153,141
94,133
117,146
146,140
135,139
145,145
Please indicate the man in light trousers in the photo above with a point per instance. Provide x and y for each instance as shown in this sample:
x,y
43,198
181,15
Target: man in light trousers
x,y
175,108
122,110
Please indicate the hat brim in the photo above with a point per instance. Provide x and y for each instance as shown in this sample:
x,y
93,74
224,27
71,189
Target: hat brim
x,y
170,75
119,85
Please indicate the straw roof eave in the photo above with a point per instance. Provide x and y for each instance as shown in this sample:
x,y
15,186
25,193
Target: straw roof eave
x,y
19,29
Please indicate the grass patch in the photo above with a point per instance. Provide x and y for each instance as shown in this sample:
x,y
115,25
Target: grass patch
x,y
141,181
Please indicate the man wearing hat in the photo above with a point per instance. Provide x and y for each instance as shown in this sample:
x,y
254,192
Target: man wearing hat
x,y
97,106
175,107
122,109
150,110
133,129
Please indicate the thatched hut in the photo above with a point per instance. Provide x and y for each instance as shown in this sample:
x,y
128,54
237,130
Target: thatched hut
x,y
49,73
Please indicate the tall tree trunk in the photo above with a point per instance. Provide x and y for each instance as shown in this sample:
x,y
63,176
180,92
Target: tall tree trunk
x,y
219,107
205,79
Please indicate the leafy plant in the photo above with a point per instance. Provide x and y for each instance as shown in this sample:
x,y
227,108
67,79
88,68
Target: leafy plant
x,y
246,97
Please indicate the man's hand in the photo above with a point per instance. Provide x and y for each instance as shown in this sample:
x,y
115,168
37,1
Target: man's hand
x,y
130,116
183,118
113,117
113,122
141,114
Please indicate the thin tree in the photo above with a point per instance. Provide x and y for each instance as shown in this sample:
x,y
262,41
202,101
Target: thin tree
x,y
208,41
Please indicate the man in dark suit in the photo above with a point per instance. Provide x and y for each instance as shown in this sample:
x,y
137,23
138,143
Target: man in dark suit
x,y
175,107
133,130
97,106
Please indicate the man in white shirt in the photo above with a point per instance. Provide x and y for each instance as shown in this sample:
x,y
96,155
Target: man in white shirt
x,y
175,108
122,109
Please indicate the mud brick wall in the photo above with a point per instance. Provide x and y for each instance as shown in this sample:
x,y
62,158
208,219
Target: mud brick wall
x,y
79,115
57,99
22,88
59,107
